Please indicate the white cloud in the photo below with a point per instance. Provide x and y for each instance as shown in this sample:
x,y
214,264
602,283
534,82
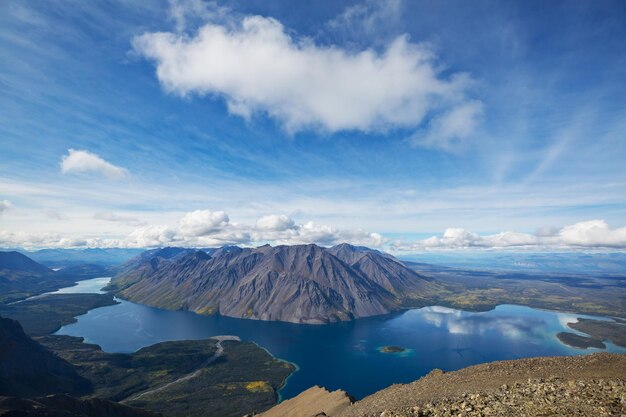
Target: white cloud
x,y
257,66
275,222
5,205
86,162
591,234
150,237
43,240
282,230
202,223
454,238
205,228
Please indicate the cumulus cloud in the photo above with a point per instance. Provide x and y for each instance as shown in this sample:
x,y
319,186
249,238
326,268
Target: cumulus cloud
x,y
205,228
276,222
5,205
256,65
80,161
202,223
593,233
589,234
43,240
150,237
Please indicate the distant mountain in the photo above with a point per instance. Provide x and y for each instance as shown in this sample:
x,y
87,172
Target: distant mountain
x,y
61,258
14,265
29,369
21,276
301,283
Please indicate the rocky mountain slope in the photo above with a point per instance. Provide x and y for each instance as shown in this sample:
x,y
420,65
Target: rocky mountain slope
x,y
589,385
316,401
59,405
301,283
28,369
14,265
21,277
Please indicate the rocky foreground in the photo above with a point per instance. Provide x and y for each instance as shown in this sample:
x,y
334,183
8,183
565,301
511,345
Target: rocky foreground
x,y
591,385
537,397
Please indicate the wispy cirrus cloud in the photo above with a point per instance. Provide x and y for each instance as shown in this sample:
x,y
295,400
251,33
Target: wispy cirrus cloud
x,y
55,215
450,128
372,21
114,217
81,161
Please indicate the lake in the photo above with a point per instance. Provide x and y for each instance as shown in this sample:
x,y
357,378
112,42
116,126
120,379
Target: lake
x,y
346,355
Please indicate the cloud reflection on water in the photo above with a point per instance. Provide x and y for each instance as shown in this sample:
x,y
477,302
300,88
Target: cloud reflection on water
x,y
467,323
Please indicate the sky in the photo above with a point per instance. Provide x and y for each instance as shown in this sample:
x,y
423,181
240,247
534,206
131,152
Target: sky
x,y
403,125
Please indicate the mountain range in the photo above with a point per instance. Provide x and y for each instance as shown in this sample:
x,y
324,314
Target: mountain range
x,y
300,283
21,276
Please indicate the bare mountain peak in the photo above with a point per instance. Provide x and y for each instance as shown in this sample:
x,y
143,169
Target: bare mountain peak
x,y
298,283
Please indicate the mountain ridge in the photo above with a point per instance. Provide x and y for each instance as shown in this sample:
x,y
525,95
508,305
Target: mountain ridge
x,y
299,283
29,369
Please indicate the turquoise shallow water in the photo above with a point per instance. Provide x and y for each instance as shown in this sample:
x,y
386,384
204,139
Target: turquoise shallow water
x,y
346,355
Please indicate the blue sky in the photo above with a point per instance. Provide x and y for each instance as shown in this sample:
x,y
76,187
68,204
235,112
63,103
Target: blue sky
x,y
376,122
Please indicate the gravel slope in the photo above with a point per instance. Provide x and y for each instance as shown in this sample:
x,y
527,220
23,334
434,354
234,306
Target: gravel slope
x,y
581,385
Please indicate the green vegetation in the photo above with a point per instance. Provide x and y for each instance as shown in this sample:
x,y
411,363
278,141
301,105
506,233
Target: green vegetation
x,y
614,331
65,406
181,378
392,349
482,291
578,341
46,315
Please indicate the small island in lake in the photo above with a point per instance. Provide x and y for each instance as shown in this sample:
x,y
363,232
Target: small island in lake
x,y
578,341
391,349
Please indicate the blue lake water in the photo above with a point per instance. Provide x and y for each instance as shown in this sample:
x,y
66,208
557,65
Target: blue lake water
x,y
346,355
90,286
93,286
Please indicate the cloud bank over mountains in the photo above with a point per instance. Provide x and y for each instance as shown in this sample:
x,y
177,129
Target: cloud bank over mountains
x,y
206,228
587,234
214,228
258,66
